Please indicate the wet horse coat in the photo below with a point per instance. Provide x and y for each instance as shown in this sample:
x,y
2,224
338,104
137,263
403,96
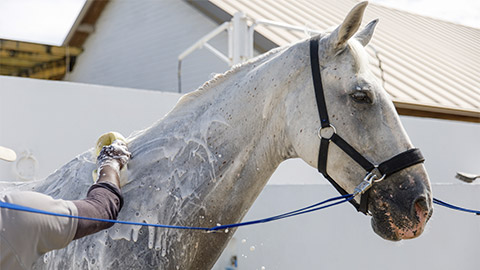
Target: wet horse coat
x,y
207,160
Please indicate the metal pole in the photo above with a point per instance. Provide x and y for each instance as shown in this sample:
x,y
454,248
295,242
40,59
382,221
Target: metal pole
x,y
240,38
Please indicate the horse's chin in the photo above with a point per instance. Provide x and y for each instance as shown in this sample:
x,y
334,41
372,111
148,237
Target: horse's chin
x,y
390,231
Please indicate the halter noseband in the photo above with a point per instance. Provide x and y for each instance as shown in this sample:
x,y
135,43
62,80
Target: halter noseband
x,y
328,133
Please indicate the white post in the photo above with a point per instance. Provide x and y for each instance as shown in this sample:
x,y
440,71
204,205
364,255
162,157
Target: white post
x,y
240,39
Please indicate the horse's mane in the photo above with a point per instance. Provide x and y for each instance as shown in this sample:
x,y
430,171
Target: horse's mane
x,y
221,77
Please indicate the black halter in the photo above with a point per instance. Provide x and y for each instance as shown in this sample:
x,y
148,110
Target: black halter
x,y
328,134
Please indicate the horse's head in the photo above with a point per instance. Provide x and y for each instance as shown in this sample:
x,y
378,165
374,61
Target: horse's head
x,y
365,117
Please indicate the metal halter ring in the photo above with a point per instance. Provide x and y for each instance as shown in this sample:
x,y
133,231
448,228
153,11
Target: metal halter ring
x,y
326,132
379,179
374,175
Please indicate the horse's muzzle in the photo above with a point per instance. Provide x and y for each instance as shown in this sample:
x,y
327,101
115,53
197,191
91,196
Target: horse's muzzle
x,y
401,205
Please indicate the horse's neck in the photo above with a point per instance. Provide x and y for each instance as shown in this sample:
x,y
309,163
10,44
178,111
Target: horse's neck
x,y
218,147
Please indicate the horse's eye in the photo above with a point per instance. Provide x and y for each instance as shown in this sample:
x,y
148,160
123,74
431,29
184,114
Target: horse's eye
x,y
361,97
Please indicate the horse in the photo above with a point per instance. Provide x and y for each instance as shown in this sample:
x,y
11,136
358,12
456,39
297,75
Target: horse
x,y
208,159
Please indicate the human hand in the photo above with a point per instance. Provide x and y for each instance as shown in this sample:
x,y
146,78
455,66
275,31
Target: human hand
x,y
115,155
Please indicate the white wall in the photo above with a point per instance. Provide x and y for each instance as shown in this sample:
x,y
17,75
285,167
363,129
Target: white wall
x,y
55,121
58,120
136,44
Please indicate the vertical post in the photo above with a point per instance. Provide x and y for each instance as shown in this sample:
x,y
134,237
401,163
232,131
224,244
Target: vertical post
x,y
251,41
230,43
240,40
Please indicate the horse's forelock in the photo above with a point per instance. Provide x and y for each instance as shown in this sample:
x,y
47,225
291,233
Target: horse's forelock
x,y
359,54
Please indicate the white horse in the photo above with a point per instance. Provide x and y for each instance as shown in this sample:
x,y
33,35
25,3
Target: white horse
x,y
206,161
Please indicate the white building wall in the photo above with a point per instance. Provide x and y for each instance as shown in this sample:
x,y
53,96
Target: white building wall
x,y
136,44
55,121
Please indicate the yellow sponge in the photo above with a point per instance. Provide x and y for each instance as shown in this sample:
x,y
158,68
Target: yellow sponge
x,y
106,139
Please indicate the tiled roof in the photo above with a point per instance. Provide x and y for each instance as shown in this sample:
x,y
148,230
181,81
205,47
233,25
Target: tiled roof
x,y
430,67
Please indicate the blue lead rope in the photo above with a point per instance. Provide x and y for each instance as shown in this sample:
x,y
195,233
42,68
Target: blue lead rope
x,y
451,206
308,209
314,207
38,211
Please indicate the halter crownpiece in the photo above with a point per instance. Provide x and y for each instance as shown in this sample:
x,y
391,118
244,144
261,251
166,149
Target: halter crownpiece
x,y
327,133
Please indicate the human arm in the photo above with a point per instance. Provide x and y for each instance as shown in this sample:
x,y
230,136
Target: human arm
x,y
104,199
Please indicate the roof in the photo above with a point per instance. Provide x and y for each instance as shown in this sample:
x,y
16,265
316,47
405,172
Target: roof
x,y
84,25
430,68
25,59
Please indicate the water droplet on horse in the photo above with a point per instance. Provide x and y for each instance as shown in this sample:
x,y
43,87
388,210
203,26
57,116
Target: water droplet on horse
x,y
244,241
263,268
45,257
252,248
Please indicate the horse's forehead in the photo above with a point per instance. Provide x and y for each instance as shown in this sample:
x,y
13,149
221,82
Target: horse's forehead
x,y
357,55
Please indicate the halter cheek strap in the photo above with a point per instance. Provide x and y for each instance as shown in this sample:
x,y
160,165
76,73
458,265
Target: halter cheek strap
x,y
328,133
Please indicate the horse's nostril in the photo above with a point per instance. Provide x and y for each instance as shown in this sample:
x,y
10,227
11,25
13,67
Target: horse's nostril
x,y
421,205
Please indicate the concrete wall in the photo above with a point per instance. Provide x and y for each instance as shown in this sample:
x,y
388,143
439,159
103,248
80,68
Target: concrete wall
x,y
55,121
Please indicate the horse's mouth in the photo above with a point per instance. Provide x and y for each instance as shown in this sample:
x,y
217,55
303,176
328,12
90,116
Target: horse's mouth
x,y
399,227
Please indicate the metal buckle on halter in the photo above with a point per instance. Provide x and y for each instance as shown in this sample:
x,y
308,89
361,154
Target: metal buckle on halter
x,y
368,181
326,132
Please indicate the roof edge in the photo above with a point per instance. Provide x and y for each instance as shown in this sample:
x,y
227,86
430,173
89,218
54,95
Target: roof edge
x,y
433,111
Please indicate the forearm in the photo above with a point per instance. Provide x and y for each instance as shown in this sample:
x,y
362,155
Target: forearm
x,y
104,200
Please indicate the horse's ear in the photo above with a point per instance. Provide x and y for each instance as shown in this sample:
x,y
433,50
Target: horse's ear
x,y
366,34
339,37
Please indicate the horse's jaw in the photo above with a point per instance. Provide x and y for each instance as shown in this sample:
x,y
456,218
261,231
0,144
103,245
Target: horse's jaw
x,y
402,205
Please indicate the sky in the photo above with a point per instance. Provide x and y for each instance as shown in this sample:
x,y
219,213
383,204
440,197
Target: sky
x,y
465,12
49,21
40,21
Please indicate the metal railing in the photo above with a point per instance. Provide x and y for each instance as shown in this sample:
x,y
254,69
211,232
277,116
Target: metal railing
x,y
241,30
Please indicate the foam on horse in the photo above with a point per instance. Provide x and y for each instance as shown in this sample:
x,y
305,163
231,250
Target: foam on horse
x,y
208,159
